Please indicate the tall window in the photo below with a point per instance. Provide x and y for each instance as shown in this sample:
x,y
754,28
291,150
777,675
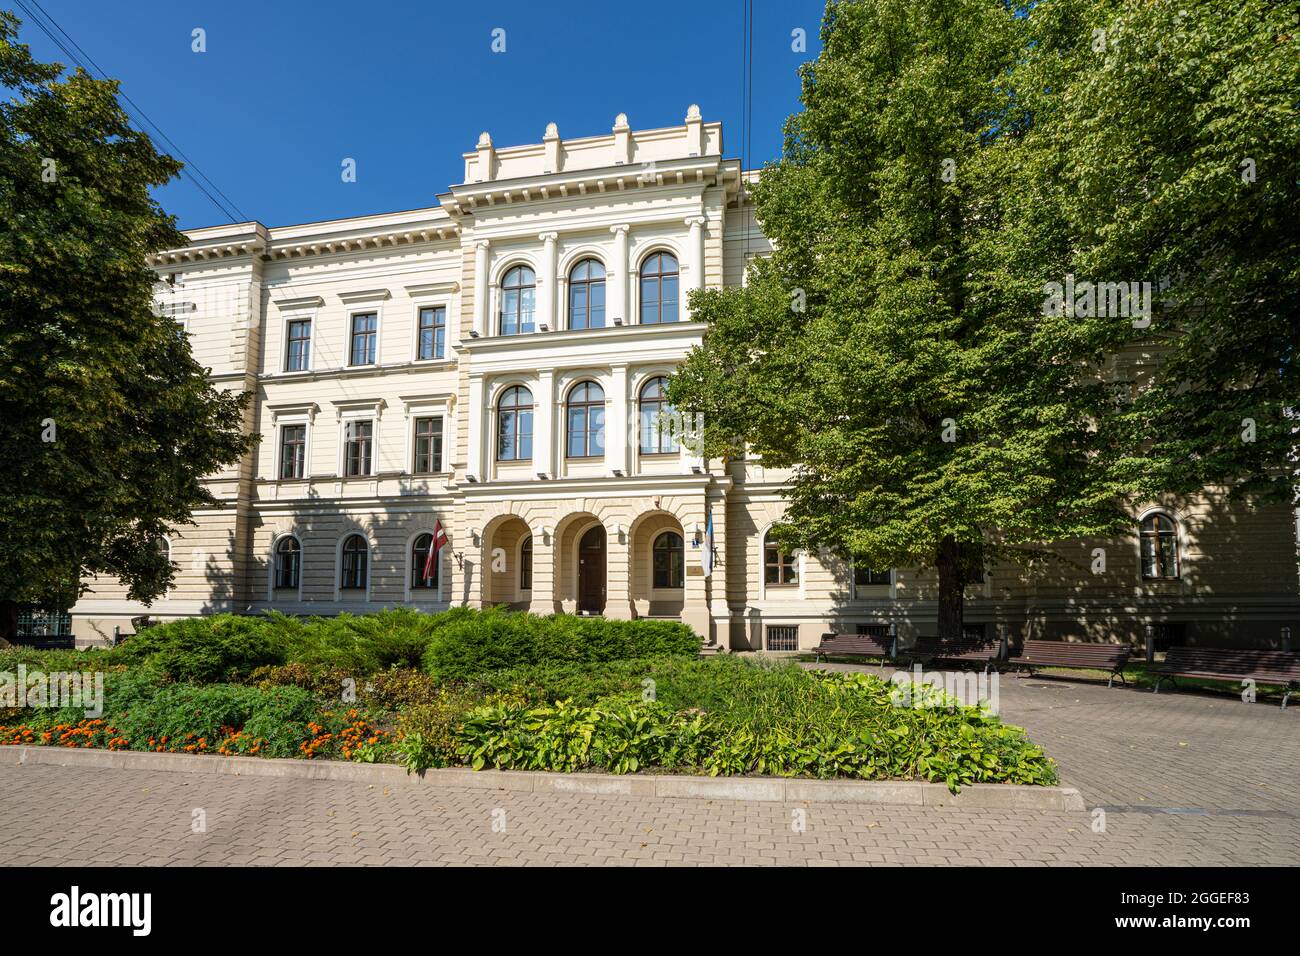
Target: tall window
x,y
586,417
419,561
515,425
669,560
428,446
298,356
293,450
658,289
864,576
365,335
356,558
518,291
358,446
658,421
433,333
288,562
779,568
587,295
1159,547
526,564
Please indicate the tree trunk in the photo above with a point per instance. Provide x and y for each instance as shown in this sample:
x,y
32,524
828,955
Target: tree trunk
x,y
952,588
8,622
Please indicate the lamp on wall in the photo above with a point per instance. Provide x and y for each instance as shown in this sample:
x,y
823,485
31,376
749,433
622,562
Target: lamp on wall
x,y
618,321
543,327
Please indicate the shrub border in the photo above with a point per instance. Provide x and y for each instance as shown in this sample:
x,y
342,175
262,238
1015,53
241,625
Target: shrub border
x,y
979,796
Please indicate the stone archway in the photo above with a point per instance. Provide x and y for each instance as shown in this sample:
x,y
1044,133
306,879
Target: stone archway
x,y
657,565
506,572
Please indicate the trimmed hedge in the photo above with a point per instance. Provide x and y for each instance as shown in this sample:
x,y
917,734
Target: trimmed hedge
x,y
496,639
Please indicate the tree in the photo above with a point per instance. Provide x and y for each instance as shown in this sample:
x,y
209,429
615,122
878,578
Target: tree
x,y
1167,135
107,423
893,349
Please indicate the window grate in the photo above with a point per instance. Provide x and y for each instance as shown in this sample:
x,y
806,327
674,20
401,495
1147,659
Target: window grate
x,y
782,638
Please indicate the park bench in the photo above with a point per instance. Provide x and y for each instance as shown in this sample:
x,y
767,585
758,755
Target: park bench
x,y
1101,657
855,645
977,650
1214,663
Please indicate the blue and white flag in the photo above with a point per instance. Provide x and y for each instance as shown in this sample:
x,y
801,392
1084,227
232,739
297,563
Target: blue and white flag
x,y
706,559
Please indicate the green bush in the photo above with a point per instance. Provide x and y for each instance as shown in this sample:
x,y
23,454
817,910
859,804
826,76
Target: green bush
x,y
427,732
727,716
189,712
497,639
222,647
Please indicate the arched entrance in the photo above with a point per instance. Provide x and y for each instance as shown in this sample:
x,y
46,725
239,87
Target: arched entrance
x,y
591,571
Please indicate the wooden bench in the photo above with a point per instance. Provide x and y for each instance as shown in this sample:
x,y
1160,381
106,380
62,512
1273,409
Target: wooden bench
x,y
975,649
1214,663
855,645
1100,657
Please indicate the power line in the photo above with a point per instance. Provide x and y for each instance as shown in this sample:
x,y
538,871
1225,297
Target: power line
x,y
229,210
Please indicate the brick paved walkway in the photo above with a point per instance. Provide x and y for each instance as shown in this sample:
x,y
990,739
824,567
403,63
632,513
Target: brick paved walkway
x,y
1228,770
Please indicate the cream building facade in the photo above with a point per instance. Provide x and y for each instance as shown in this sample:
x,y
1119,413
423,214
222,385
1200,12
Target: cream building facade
x,y
492,366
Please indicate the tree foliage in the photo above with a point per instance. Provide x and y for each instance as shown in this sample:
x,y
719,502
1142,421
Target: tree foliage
x,y
107,422
952,158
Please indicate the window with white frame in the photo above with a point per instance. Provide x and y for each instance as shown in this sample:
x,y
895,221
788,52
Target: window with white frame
x,y
358,447
293,451
1159,537
363,348
354,572
288,562
428,446
297,357
432,337
780,568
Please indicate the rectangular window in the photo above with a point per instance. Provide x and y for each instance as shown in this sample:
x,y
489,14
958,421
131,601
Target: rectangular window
x,y
293,450
357,448
428,446
433,333
298,354
866,577
778,567
365,335
782,638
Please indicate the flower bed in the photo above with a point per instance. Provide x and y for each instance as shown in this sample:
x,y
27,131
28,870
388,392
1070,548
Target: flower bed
x,y
555,696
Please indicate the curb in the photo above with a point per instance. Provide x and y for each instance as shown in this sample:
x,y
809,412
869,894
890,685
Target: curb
x,y
979,796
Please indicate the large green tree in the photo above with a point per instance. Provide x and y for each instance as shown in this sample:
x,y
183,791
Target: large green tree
x,y
894,348
107,423
1166,139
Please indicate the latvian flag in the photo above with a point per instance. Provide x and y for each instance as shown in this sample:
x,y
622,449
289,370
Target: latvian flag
x,y
439,539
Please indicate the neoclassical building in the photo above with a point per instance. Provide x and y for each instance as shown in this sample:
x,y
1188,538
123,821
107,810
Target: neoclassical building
x,y
494,366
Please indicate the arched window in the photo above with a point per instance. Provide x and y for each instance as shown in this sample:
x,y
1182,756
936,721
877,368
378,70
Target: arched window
x,y
586,418
658,289
420,549
587,295
526,564
659,424
518,291
669,560
164,547
356,560
1159,537
515,425
288,562
779,568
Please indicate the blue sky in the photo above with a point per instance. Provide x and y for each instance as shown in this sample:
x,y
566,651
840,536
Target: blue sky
x,y
286,90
